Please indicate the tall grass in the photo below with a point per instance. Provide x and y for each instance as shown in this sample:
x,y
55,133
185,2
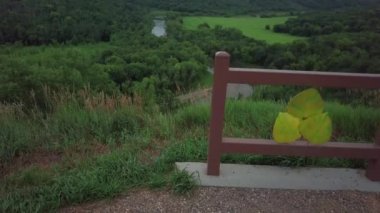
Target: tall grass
x,y
15,136
354,124
71,118
247,118
143,146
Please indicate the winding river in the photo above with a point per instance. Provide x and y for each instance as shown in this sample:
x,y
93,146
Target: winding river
x,y
159,29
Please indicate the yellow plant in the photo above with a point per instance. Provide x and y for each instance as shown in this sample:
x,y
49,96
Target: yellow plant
x,y
304,118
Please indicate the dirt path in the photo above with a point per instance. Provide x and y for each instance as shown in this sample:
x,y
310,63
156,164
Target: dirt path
x,y
211,199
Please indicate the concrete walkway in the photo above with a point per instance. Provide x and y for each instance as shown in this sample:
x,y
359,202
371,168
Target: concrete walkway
x,y
274,177
236,90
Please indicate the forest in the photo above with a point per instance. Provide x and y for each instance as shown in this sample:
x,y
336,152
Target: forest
x,y
36,22
89,105
255,6
324,23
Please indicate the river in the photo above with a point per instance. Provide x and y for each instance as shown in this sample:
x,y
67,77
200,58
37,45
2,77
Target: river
x,y
159,29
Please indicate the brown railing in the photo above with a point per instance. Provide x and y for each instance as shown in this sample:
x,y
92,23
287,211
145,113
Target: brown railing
x,y
218,145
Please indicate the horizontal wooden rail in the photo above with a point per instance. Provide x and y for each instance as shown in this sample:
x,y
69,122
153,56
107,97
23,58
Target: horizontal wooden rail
x,y
303,78
218,145
300,148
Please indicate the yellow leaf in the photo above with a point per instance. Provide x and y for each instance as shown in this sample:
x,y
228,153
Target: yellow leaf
x,y
317,129
306,103
285,129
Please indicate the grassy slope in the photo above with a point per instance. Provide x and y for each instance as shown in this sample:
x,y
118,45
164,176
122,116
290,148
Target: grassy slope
x,y
143,147
250,26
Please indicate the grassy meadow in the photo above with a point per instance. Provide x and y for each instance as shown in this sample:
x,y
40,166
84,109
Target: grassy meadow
x,y
253,27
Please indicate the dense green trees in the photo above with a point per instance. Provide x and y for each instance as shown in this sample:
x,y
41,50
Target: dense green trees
x,y
323,23
165,66
348,52
255,6
41,21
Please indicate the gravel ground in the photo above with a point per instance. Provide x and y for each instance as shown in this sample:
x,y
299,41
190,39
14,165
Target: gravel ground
x,y
213,199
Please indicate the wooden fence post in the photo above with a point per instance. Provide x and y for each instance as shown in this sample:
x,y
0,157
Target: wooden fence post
x,y
373,168
219,91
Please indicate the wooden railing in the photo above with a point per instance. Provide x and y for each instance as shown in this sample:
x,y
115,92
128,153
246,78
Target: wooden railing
x,y
219,145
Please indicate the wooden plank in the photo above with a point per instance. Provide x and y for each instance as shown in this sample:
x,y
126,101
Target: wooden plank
x,y
303,78
301,148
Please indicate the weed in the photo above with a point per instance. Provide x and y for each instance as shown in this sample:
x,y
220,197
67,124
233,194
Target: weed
x,y
32,176
182,182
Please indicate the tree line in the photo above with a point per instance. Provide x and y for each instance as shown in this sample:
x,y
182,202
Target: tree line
x,y
255,6
323,23
36,22
346,52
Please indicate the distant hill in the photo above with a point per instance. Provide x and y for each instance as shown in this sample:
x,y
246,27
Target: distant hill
x,y
245,6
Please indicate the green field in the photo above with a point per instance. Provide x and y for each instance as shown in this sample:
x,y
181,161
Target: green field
x,y
253,27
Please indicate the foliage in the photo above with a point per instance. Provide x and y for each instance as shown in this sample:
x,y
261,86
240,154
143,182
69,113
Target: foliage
x,y
182,182
304,117
13,136
157,69
305,104
323,23
161,67
317,129
26,70
41,22
343,52
101,178
233,7
286,128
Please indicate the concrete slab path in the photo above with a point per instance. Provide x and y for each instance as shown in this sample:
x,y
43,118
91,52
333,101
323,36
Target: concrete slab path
x,y
274,177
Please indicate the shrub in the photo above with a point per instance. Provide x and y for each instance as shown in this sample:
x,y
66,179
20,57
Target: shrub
x,y
127,120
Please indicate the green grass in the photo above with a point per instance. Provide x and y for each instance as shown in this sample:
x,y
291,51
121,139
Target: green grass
x,y
143,147
253,27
